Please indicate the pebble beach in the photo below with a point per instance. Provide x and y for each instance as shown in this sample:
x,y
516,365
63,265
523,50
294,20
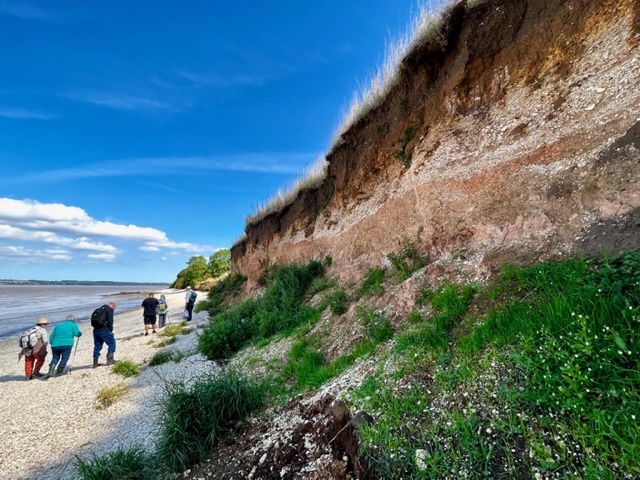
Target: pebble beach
x,y
45,424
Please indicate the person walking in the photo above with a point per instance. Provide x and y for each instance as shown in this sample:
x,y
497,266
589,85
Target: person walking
x,y
190,301
150,307
103,333
163,311
62,339
34,356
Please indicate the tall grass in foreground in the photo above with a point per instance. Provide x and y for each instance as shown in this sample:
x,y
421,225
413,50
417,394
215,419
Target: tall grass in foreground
x,y
134,463
194,417
542,383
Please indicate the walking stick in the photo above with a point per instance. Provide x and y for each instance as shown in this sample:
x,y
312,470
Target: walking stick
x,y
67,369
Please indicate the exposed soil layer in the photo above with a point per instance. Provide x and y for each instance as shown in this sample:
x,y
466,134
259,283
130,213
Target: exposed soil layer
x,y
513,136
316,441
514,130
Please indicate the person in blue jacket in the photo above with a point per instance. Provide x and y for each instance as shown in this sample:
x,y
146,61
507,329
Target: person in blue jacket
x,y
61,341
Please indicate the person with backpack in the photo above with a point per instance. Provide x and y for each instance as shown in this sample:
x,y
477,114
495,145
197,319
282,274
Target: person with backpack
x,y
62,339
190,299
34,348
163,311
102,323
150,307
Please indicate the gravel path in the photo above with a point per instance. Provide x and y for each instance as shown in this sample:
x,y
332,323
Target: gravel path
x,y
44,424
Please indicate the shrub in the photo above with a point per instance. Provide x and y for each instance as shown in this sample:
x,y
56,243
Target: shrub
x,y
130,463
194,417
126,368
221,292
280,309
229,331
107,396
338,301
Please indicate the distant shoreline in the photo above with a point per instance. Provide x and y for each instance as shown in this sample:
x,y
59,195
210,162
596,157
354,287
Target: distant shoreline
x,y
78,282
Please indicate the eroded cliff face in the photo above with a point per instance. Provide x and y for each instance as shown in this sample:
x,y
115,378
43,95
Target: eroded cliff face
x,y
513,136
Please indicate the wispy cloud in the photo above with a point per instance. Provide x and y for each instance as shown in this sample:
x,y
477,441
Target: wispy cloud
x,y
23,10
120,101
23,114
285,163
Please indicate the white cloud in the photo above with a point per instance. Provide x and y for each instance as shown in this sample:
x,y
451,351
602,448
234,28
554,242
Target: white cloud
x,y
102,256
279,163
23,255
31,221
120,101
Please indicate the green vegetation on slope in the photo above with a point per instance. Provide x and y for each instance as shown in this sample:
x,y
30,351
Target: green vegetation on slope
x,y
533,376
541,380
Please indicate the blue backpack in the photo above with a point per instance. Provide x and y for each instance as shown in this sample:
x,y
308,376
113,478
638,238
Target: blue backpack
x,y
192,297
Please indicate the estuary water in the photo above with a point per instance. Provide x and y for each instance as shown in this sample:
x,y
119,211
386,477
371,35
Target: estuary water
x,y
22,305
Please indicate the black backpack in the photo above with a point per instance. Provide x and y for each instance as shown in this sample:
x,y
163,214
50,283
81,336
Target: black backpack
x,y
99,317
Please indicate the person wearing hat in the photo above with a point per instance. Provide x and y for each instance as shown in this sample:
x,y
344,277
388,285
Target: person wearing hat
x,y
62,339
34,357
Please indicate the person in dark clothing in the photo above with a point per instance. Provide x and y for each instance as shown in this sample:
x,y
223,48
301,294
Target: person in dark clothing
x,y
102,335
150,308
190,301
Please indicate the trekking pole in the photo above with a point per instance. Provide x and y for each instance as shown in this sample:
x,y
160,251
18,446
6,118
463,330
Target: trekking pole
x,y
67,369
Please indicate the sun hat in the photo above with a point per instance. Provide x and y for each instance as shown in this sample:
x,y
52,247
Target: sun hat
x,y
71,317
188,288
42,321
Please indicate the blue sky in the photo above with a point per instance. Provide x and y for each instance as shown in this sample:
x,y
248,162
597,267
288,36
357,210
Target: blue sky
x,y
134,135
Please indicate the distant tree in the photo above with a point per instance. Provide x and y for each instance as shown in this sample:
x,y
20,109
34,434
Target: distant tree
x,y
197,270
220,262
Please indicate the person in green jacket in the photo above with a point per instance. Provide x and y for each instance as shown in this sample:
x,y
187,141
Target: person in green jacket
x,y
61,341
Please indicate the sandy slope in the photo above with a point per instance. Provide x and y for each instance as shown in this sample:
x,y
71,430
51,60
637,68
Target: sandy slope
x,y
43,424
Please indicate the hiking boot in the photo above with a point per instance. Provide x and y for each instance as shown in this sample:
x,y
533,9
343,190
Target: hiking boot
x,y
38,374
95,363
110,359
52,369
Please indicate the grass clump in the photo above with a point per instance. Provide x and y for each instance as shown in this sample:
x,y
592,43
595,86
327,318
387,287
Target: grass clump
x,y
406,261
163,356
107,396
130,463
450,302
338,301
194,417
166,342
376,323
373,282
280,309
126,368
321,284
173,330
